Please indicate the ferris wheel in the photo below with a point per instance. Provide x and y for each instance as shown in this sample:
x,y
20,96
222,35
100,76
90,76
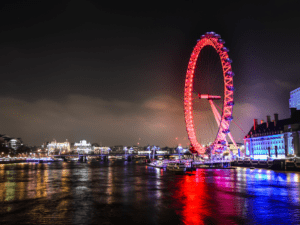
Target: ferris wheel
x,y
219,144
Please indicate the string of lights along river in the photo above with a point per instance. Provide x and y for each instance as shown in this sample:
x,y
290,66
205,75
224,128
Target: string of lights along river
x,y
118,192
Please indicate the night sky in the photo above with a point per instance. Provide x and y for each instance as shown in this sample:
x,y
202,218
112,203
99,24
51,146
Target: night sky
x,y
113,73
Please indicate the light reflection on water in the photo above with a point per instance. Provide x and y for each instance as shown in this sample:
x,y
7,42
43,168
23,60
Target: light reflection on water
x,y
114,192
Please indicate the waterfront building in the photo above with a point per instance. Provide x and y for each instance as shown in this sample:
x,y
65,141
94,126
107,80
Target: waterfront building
x,y
83,147
128,150
15,143
44,145
236,150
118,149
136,148
295,99
181,150
58,147
5,139
145,150
101,150
276,139
10,142
166,150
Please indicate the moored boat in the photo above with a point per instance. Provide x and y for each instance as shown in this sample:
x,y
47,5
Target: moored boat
x,y
73,159
176,166
93,159
158,164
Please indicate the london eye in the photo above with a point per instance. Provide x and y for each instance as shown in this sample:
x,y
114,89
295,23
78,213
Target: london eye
x,y
224,118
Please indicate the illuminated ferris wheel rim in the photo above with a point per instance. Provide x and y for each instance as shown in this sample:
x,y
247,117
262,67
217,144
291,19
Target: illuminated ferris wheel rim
x,y
214,40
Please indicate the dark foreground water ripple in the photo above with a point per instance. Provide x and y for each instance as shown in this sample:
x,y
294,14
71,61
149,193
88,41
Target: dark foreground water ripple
x,y
128,193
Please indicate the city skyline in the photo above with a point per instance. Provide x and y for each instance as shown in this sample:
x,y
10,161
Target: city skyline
x,y
112,74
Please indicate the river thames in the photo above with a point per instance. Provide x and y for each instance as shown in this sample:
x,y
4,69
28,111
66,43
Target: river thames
x,y
121,192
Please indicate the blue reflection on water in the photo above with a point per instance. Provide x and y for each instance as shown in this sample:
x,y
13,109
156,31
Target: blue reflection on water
x,y
275,196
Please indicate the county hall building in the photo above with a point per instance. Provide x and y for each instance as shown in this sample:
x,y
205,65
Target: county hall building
x,y
276,138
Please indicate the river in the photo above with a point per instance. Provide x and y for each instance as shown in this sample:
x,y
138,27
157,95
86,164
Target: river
x,y
121,192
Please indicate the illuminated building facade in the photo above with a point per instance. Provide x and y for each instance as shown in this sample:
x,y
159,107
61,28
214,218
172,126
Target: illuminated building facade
x,y
295,99
83,147
128,149
15,143
54,147
276,139
117,149
10,142
236,150
102,150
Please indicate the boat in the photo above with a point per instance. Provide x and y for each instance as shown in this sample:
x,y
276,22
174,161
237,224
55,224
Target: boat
x,y
73,159
153,164
161,164
157,164
93,159
55,160
44,159
176,166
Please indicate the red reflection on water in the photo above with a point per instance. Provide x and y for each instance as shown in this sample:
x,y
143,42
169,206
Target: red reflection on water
x,y
199,200
192,196
227,202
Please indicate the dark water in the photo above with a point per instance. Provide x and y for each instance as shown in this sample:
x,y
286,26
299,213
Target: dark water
x,y
129,193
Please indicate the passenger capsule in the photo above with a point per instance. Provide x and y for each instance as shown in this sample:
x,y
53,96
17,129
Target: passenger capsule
x,y
226,131
229,74
230,88
217,36
221,41
228,60
230,103
202,36
209,34
224,49
222,142
228,118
